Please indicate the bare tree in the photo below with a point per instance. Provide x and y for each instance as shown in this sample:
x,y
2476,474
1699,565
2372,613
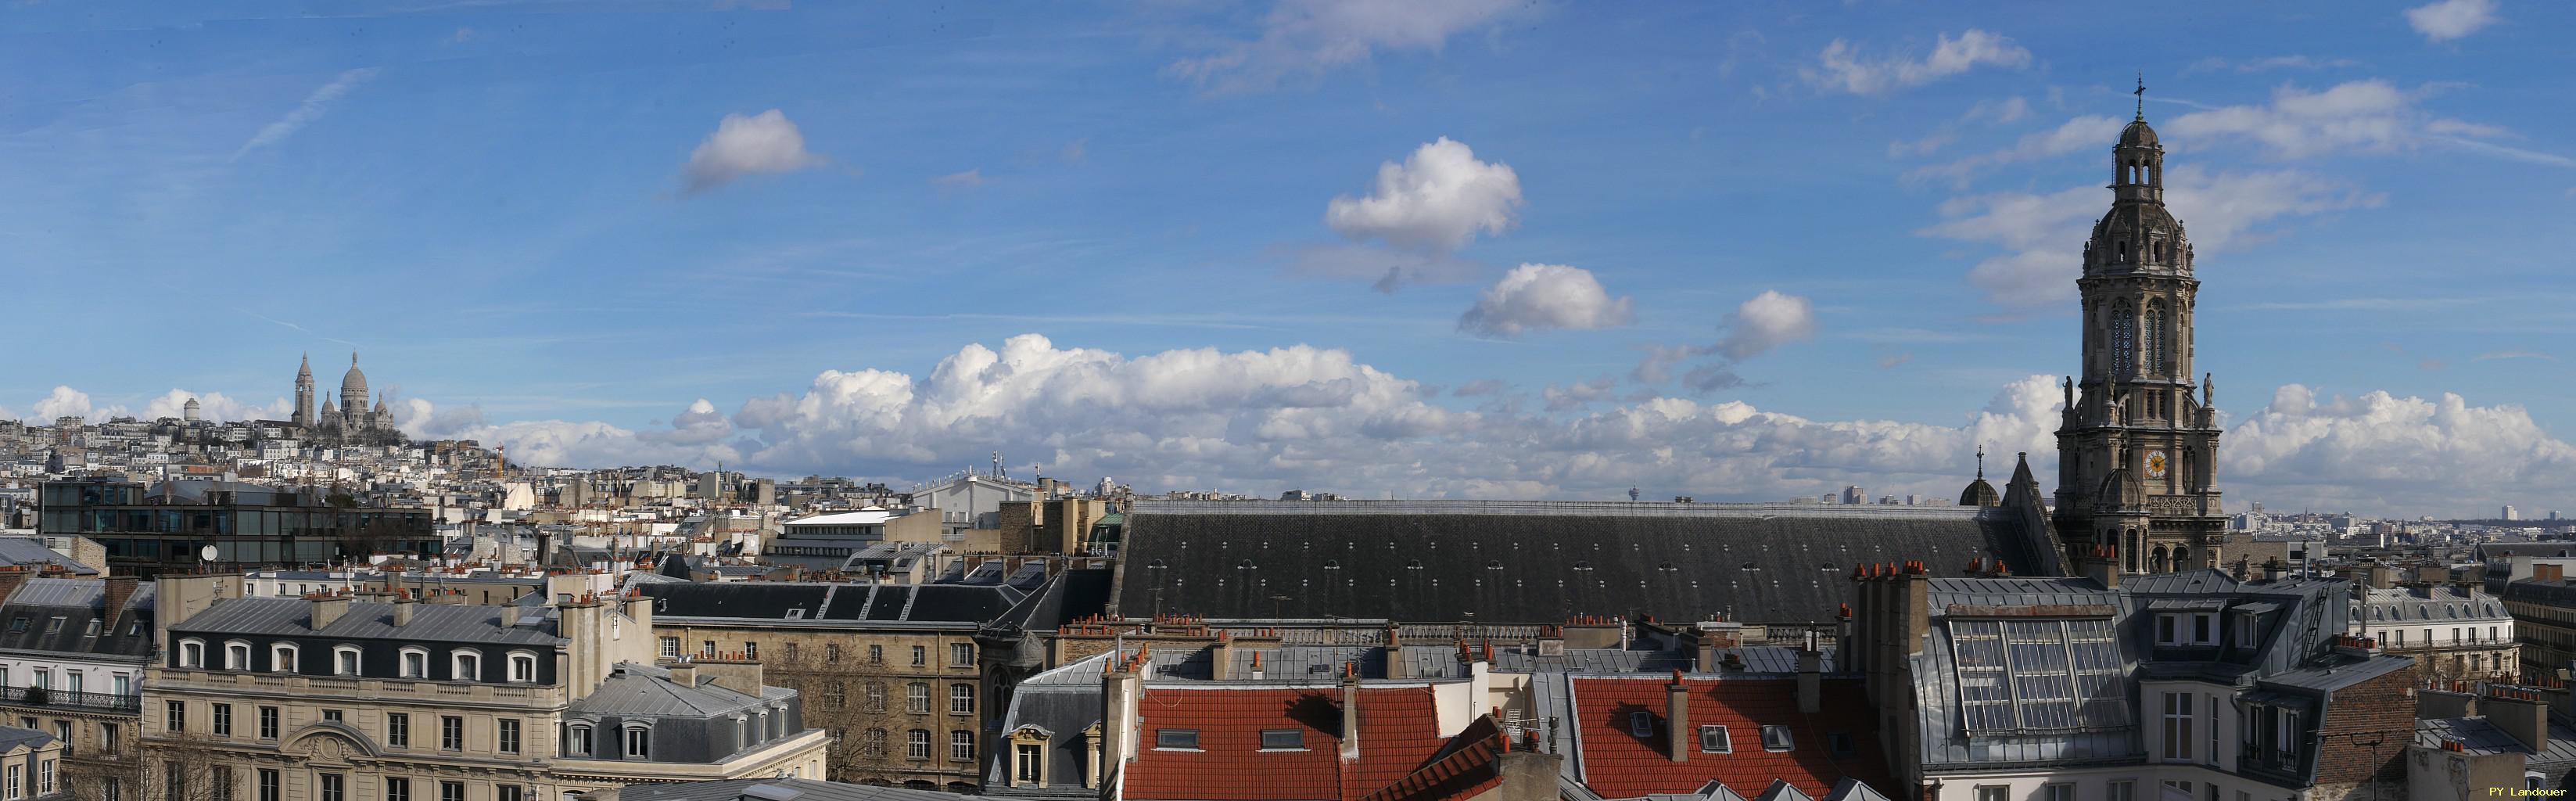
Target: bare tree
x,y
186,772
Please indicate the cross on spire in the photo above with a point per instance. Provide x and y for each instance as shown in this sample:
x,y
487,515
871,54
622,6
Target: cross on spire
x,y
2142,95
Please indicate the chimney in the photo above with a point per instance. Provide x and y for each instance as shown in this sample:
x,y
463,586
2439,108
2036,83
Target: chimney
x,y
10,577
1350,711
1396,667
2103,566
403,606
1120,688
731,671
2520,713
639,608
327,608
1811,678
2382,577
684,672
1677,729
509,615
119,590
2271,570
1221,657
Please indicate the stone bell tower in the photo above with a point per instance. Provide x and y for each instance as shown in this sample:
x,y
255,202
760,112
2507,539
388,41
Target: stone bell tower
x,y
2137,451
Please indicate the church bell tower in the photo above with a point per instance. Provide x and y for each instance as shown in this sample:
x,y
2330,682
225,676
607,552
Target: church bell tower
x,y
2137,451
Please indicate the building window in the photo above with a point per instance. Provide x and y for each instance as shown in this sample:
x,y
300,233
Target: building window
x,y
510,792
1029,760
397,788
415,663
1776,737
707,649
916,698
268,723
2057,792
2177,719
1283,739
18,789
961,654
451,791
451,733
1177,739
344,660
961,746
282,658
2193,628
334,787
791,652
465,666
509,736
107,737
961,699
268,784
2038,674
873,744
192,654
1993,793
832,653
639,743
398,729
45,777
523,668
670,648
917,744
921,656
236,656
1714,740
577,741
876,654
223,783
750,650
874,698
175,719
223,720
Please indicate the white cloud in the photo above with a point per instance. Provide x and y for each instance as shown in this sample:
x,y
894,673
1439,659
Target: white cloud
x,y
1309,37
2380,452
2082,134
2001,112
215,407
969,179
1434,202
1544,296
1481,386
1769,320
1578,394
2451,19
305,113
1842,65
2291,62
2042,236
62,402
2368,116
766,143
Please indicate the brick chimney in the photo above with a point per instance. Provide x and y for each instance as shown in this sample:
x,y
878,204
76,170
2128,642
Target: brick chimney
x,y
119,590
403,606
1811,678
2103,565
1350,711
1677,728
509,615
10,577
1221,657
731,671
2520,713
327,608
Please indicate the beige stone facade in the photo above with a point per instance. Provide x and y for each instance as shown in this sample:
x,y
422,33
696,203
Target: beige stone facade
x,y
859,682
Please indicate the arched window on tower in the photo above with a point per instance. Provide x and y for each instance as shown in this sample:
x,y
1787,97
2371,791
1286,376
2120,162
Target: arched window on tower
x,y
2155,344
2191,469
2124,333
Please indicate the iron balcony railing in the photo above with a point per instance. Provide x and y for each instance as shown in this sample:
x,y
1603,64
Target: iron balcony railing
x,y
41,696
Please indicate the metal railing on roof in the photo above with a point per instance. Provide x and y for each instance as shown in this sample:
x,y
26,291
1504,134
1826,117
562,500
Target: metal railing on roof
x,y
42,696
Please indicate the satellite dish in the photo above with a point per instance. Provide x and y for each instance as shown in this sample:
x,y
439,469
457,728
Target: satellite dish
x,y
206,553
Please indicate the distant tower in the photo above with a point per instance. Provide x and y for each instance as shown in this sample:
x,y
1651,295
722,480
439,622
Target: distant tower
x,y
304,393
353,393
2137,445
189,412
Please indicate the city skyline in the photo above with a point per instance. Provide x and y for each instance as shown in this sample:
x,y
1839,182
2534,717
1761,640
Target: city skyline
x,y
1792,251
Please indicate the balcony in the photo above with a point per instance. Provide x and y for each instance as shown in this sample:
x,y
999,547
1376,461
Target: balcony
x,y
96,702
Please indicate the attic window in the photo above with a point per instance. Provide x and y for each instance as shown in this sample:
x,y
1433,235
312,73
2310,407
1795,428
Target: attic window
x,y
1752,566
1283,740
797,613
1583,565
18,624
1641,724
1776,737
1243,565
1176,739
1713,740
1666,567
90,630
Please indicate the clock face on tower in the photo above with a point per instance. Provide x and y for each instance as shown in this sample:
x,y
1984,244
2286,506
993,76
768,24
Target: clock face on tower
x,y
2155,464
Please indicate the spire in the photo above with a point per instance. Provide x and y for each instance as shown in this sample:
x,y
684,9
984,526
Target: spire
x,y
1981,461
2142,96
305,370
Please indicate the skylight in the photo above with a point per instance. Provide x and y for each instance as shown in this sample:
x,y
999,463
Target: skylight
x,y
2038,675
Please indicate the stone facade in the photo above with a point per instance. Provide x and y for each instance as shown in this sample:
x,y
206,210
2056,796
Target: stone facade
x,y
858,686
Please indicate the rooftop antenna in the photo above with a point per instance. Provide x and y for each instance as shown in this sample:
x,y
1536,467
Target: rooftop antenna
x,y
997,464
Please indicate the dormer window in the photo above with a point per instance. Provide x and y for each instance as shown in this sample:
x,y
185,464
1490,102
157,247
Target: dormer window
x,y
2246,630
236,655
465,666
192,653
639,742
344,660
523,667
1776,737
1714,740
415,663
577,740
1641,724
2187,628
282,657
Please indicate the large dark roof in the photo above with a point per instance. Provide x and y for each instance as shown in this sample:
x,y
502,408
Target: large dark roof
x,y
1525,562
757,600
293,617
78,602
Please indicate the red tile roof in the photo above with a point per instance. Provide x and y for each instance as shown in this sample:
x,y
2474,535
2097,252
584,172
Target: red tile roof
x,y
1399,732
1466,766
1616,763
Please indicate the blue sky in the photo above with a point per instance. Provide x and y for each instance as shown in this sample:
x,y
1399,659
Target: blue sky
x,y
690,232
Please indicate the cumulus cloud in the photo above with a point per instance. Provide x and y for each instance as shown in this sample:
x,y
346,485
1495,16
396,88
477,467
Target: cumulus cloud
x,y
2451,19
766,143
1544,296
2042,235
1434,202
1310,37
1844,67
313,107
1764,322
216,407
62,402
2381,452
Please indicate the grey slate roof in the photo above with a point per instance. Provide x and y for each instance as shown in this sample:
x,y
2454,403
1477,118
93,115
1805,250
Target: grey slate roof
x,y
293,617
775,789
11,737
31,551
2477,735
125,632
637,691
761,600
1529,563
